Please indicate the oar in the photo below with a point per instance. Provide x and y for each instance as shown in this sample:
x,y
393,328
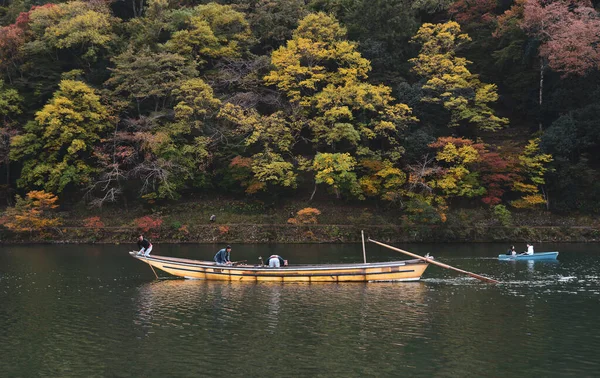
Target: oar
x,y
482,278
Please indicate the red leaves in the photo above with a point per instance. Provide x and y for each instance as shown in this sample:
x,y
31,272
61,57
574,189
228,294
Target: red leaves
x,y
93,223
468,11
569,31
497,175
148,223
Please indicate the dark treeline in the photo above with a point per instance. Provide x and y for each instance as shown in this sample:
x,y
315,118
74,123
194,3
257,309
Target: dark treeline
x,y
421,105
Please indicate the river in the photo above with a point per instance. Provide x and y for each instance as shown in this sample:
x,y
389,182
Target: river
x,y
93,311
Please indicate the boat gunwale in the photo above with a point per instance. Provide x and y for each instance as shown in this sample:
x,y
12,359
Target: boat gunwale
x,y
290,268
553,254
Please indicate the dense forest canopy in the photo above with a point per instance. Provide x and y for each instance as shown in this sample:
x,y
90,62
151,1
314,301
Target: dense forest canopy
x,y
421,105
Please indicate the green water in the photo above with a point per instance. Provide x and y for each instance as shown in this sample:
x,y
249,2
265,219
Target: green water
x,y
93,311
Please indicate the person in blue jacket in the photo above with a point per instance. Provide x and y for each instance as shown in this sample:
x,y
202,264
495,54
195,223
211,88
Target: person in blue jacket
x,y
223,257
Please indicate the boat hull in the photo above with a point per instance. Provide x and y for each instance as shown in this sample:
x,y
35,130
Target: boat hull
x,y
409,270
535,256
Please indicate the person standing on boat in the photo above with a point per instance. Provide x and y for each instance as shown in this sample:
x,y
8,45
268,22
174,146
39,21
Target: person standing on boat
x,y
276,261
223,257
145,245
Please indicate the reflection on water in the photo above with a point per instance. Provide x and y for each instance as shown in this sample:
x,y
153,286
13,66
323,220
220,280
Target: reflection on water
x,y
69,311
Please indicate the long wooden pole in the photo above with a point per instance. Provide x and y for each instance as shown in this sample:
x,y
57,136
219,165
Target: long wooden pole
x,y
362,233
431,261
154,271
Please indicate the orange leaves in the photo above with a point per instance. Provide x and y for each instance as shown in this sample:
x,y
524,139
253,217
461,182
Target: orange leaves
x,y
93,222
148,223
308,215
33,213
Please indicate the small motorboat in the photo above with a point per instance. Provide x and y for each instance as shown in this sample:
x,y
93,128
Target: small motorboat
x,y
524,256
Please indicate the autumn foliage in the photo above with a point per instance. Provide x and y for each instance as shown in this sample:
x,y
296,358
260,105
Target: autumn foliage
x,y
308,215
148,223
94,223
32,213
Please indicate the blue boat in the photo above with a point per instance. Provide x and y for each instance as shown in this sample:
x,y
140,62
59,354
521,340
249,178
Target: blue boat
x,y
535,256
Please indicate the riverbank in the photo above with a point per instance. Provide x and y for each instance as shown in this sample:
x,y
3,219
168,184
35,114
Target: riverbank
x,y
239,221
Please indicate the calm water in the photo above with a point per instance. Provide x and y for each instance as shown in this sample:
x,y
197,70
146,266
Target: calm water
x,y
93,311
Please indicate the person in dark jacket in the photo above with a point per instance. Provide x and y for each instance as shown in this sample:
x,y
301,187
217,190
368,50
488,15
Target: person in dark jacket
x,y
145,246
223,257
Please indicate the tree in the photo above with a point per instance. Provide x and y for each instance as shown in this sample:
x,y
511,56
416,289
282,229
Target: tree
x,y
196,102
56,149
567,31
449,82
10,107
146,75
382,29
332,109
533,166
12,39
210,32
457,156
337,171
33,213
86,29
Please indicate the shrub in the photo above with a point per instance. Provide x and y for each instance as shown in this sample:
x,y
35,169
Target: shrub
x,y
308,215
33,213
148,223
93,223
503,215
223,230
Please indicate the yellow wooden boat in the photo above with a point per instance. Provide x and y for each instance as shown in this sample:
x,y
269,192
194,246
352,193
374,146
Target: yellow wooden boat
x,y
407,270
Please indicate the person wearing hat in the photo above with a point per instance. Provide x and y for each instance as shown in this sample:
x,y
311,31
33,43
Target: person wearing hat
x,y
223,257
145,245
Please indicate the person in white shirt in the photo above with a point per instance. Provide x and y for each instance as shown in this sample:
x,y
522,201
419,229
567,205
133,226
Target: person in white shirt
x,y
529,249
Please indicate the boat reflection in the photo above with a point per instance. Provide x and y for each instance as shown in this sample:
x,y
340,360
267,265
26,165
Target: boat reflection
x,y
313,309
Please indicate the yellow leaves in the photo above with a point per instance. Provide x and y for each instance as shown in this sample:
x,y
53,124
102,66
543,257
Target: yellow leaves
x,y
533,165
76,145
74,24
196,101
529,201
449,82
214,31
465,154
274,132
32,213
269,167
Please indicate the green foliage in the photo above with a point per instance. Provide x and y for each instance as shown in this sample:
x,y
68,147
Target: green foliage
x,y
503,215
266,98
211,31
457,179
449,82
73,25
56,148
10,102
336,171
147,75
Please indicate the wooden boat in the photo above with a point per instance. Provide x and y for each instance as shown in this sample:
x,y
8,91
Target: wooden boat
x,y
535,256
407,270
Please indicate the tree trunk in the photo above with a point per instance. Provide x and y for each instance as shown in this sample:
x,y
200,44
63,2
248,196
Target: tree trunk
x,y
313,193
542,66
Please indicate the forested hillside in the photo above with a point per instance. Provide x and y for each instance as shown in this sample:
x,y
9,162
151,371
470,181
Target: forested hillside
x,y
417,105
